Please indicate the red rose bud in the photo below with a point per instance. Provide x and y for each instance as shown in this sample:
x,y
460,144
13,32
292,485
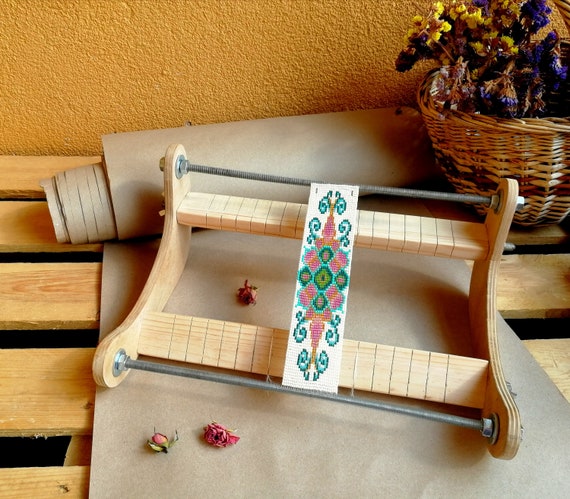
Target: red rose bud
x,y
219,436
247,294
160,442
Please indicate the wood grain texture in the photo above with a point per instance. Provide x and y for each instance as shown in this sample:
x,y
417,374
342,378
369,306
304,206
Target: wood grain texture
x,y
20,175
529,286
554,357
79,448
534,286
383,231
26,226
46,392
546,235
23,399
49,295
71,482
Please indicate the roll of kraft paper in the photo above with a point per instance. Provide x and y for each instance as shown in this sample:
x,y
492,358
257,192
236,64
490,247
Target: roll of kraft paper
x,y
374,147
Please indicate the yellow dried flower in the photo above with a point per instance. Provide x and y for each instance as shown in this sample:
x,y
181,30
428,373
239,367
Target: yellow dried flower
x,y
472,19
479,48
435,36
457,10
438,8
507,40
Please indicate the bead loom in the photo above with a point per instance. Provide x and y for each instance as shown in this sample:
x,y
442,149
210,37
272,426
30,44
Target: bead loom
x,y
472,382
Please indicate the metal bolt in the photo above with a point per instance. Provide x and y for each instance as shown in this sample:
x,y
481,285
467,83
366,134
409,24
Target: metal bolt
x,y
119,362
487,427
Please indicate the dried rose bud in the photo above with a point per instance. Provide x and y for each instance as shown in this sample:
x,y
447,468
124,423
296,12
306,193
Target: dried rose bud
x,y
160,442
159,439
219,436
247,294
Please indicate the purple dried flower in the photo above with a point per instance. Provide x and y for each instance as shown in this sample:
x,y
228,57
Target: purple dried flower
x,y
483,5
550,40
535,14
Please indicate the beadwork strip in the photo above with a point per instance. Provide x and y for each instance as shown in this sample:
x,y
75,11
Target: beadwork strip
x,y
314,346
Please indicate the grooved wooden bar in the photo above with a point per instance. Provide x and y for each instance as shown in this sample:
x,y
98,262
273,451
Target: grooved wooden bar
x,y
376,230
365,366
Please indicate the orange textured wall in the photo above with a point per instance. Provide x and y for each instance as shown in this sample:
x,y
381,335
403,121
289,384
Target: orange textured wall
x,y
72,70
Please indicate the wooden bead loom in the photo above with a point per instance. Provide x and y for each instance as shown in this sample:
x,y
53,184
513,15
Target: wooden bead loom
x,y
436,377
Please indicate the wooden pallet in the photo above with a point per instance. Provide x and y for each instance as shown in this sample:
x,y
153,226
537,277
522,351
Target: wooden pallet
x,y
51,400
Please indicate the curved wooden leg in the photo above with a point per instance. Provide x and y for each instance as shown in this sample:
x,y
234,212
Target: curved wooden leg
x,y
164,276
499,403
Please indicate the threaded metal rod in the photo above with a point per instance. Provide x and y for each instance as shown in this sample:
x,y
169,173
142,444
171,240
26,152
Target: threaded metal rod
x,y
123,362
184,166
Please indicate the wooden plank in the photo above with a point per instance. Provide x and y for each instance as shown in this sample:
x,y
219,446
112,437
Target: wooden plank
x,y
20,175
554,357
546,235
26,226
79,451
534,286
49,295
70,482
46,392
529,286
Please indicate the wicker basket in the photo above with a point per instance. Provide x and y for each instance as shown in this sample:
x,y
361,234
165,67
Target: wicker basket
x,y
564,9
475,151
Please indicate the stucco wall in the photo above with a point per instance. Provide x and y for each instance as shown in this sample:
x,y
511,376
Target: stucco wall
x,y
72,70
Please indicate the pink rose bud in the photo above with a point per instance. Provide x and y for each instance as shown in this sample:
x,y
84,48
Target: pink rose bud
x,y
247,294
219,436
159,439
160,442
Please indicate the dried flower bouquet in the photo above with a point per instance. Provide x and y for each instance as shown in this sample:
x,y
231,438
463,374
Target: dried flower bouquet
x,y
491,59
